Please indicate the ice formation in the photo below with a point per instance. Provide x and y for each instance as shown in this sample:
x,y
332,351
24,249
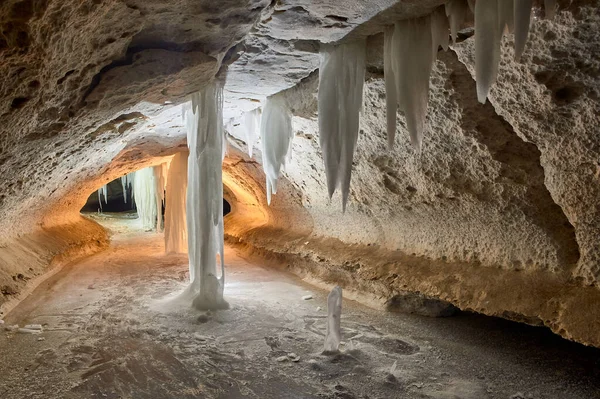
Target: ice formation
x,y
439,31
410,58
175,224
522,19
204,207
341,79
103,191
334,315
391,97
127,184
251,125
276,137
160,182
456,11
487,46
144,196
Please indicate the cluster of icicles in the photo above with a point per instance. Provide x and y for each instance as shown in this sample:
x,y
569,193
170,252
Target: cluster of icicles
x,y
410,49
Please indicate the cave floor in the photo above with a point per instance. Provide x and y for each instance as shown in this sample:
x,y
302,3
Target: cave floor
x,y
110,333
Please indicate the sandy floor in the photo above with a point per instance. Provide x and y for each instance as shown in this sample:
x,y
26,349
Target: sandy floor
x,y
109,333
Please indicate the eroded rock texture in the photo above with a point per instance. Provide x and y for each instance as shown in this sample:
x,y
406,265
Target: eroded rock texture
x,y
499,214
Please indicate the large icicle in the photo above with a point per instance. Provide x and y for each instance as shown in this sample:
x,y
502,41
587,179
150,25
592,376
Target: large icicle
x,y
204,121
456,10
160,180
127,184
144,196
412,61
175,204
276,137
522,18
487,46
251,125
334,318
439,31
391,97
506,15
341,79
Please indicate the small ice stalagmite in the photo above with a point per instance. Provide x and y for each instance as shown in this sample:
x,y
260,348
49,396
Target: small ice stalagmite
x,y
144,196
522,19
276,136
175,224
412,62
488,35
334,315
341,79
251,125
456,10
204,207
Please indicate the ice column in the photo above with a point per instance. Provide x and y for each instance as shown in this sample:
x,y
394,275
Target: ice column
x,y
175,224
341,79
334,314
276,137
251,126
160,181
204,122
144,195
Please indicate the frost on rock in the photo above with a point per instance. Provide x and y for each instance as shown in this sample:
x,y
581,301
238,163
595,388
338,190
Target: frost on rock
x,y
334,315
522,19
204,123
456,10
144,196
411,58
175,224
251,126
160,182
341,79
276,137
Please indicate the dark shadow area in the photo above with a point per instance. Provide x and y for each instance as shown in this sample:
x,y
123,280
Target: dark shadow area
x,y
226,207
116,201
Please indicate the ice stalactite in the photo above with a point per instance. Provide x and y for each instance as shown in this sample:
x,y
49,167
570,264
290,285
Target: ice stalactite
x,y
456,11
251,126
410,58
522,20
144,196
276,139
341,79
506,15
550,8
439,31
175,205
103,192
391,97
488,33
127,184
160,182
204,206
334,318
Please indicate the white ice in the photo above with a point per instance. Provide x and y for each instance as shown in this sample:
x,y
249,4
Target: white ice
x,y
334,315
276,137
522,19
488,33
251,126
144,196
341,79
456,10
160,182
439,31
175,224
204,122
391,97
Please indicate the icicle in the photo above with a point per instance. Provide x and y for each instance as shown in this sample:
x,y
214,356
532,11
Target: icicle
x,y
100,198
334,315
144,196
341,79
412,62
550,8
456,10
159,193
204,206
175,204
471,5
439,31
276,137
251,124
522,18
391,97
506,16
487,46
